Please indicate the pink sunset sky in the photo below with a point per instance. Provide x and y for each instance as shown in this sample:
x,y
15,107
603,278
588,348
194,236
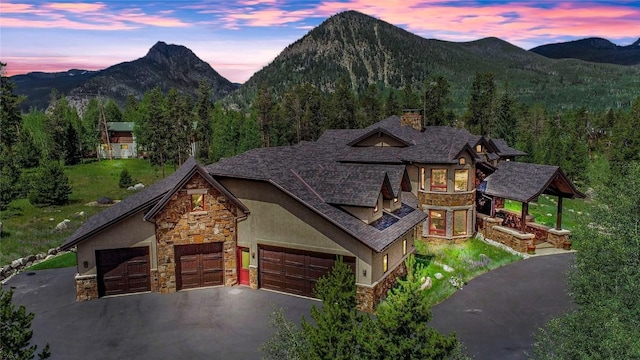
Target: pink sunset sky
x,y
239,38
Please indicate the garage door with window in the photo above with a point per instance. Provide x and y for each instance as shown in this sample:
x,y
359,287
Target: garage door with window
x,y
123,271
199,265
295,271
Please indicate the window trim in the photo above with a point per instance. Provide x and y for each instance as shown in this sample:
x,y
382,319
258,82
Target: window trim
x,y
385,263
422,178
466,220
404,247
466,186
439,188
433,231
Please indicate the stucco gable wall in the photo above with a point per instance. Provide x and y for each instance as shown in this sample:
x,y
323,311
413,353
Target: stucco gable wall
x,y
277,219
130,232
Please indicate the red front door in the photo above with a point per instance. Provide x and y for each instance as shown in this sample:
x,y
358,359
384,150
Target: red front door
x,y
243,266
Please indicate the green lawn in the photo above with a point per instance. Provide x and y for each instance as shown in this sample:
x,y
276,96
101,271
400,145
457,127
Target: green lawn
x,y
470,259
30,230
61,261
545,209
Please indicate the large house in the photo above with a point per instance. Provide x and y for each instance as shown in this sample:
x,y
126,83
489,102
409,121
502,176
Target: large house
x,y
277,218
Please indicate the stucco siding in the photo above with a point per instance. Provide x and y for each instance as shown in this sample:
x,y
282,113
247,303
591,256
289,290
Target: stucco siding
x,y
395,256
277,219
130,232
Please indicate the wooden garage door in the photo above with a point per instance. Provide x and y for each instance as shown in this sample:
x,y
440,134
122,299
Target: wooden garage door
x,y
122,271
295,271
199,265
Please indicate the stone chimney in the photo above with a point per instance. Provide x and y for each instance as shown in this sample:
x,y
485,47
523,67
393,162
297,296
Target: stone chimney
x,y
413,118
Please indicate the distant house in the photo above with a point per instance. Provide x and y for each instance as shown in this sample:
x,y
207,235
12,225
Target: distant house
x,y
119,141
277,218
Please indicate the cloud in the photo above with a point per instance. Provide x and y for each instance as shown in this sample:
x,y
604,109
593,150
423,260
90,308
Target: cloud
x,y
84,16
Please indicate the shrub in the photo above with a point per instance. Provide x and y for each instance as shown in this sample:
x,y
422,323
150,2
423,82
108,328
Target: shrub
x,y
51,186
125,179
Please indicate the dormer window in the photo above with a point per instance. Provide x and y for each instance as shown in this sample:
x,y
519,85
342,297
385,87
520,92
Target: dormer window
x,y
462,161
478,148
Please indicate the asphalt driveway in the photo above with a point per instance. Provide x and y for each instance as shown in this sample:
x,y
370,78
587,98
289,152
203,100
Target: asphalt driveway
x,y
495,315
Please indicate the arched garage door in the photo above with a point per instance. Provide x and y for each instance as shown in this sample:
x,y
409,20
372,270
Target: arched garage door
x,y
122,271
295,271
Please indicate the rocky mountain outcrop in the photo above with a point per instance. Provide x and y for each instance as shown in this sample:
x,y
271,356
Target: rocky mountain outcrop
x,y
165,66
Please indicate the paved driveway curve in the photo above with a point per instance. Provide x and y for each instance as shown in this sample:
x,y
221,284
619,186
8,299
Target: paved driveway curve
x,y
494,315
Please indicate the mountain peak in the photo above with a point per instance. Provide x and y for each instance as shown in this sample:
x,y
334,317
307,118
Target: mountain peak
x,y
592,49
162,51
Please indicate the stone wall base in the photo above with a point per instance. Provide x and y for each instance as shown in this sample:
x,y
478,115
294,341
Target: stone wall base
x,y
442,241
86,287
558,238
370,296
253,276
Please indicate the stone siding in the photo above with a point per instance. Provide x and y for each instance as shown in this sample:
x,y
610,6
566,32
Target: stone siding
x,y
512,238
253,276
446,199
176,224
443,240
86,287
369,297
558,238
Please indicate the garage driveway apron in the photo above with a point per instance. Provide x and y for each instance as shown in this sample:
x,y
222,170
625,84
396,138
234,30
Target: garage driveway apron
x,y
494,315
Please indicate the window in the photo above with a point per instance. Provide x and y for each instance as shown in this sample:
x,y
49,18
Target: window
x,y
124,146
460,222
438,179
385,263
461,180
437,222
104,146
395,200
422,179
478,148
197,202
404,247
375,208
462,161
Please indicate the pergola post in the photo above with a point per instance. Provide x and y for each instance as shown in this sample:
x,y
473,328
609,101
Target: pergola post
x,y
559,216
523,217
493,207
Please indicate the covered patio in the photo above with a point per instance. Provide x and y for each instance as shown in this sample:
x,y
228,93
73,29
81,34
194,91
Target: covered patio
x,y
524,182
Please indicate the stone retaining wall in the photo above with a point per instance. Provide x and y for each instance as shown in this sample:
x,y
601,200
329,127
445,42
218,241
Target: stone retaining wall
x,y
370,296
86,287
20,264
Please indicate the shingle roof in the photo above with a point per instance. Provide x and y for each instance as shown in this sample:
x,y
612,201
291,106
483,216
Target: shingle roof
x,y
506,150
525,182
135,203
120,126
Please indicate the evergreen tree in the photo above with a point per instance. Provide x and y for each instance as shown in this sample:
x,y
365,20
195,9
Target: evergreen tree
x,y
50,186
436,100
112,112
72,149
27,152
58,118
506,121
265,112
152,132
370,106
90,129
9,176
481,108
392,104
342,107
402,323
410,99
15,331
10,119
131,112
203,121
180,121
125,179
333,335
625,140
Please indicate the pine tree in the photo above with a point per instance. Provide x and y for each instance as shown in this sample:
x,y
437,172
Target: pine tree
x,y
392,105
72,151
506,121
342,105
203,121
50,186
402,323
436,100
15,331
10,119
125,179
481,108
333,335
370,106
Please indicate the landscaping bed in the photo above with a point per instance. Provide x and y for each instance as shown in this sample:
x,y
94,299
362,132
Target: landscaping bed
x,y
457,264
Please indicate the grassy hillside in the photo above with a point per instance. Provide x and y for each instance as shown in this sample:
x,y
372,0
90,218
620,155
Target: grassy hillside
x,y
28,229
